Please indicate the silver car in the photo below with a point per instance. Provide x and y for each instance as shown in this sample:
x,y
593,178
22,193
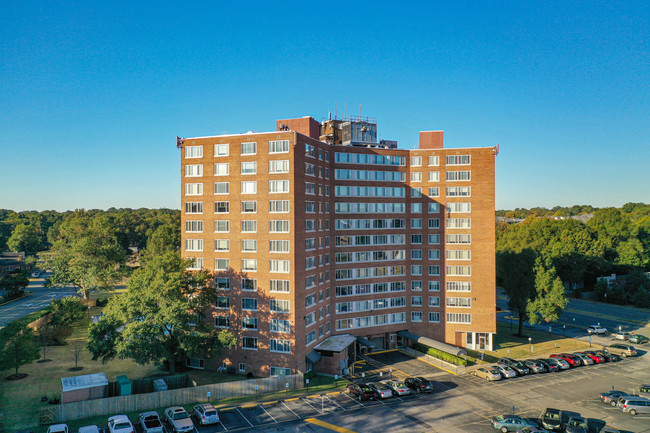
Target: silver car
x,y
634,405
584,359
206,414
179,419
505,371
398,388
381,389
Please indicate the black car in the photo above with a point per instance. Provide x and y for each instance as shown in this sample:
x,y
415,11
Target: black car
x,y
548,366
363,391
609,357
551,419
517,366
419,384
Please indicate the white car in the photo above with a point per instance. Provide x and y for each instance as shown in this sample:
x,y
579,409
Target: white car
x,y
597,329
120,424
622,335
206,414
89,429
58,428
179,419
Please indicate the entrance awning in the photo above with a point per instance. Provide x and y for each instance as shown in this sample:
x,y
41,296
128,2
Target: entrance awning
x,y
335,343
447,348
313,357
365,342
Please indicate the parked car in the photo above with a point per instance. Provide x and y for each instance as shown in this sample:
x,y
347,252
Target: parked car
x,y
517,366
206,414
89,429
598,359
609,357
633,404
120,424
609,430
644,388
506,372
397,387
638,339
584,359
611,397
178,419
596,329
362,391
419,384
36,274
561,363
621,335
551,419
534,366
548,366
570,359
150,422
58,428
487,374
381,389
532,429
576,424
507,423
622,350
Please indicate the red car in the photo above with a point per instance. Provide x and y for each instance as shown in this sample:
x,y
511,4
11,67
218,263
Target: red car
x,y
593,355
572,360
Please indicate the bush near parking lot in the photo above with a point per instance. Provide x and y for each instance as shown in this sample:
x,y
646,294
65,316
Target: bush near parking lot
x,y
447,357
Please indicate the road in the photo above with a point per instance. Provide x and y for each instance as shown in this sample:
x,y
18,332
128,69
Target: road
x,y
41,297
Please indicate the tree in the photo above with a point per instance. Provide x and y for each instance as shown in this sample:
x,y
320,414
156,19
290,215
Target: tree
x,y
86,254
550,299
163,239
13,284
26,238
160,317
20,347
515,272
66,310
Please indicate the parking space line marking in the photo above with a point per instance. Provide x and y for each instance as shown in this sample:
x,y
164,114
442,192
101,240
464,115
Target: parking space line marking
x,y
329,399
306,401
268,413
329,426
357,402
242,415
223,425
285,405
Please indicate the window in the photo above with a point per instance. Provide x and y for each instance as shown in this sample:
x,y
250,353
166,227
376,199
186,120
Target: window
x,y
416,285
416,316
416,207
459,318
310,188
248,246
196,263
310,207
222,226
279,166
434,239
249,148
434,160
434,176
279,206
458,175
194,152
279,305
416,254
416,223
434,286
249,226
434,254
221,245
416,239
279,286
459,286
310,150
221,207
416,161
310,169
459,207
249,207
310,225
194,207
222,283
434,223
459,270
193,189
416,177
458,159
279,226
221,188
193,226
193,244
280,371
459,223
242,367
434,270
222,321
416,192
459,302
279,246
434,192
282,346
281,266
249,284
249,343
249,187
249,167
194,170
249,265
434,317
221,264
249,304
279,146
278,186
434,301
221,150
279,325
249,323
459,254
222,169
310,338
416,269
434,207
459,191
222,302
459,239
416,301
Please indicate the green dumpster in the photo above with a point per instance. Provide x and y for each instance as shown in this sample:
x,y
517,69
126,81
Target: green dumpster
x,y
123,385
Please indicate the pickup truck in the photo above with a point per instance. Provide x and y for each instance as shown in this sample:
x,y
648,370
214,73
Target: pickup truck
x,y
150,422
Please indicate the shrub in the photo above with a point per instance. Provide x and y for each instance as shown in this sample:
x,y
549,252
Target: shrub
x,y
447,357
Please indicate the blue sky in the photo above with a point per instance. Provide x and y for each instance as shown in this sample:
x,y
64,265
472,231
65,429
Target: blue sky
x,y
94,93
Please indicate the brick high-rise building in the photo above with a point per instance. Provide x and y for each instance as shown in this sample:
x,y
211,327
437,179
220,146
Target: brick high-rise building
x,y
325,242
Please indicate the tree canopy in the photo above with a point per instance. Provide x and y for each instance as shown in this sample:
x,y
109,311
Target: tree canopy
x,y
19,348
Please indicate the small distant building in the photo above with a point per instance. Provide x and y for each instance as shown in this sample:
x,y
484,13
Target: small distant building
x,y
82,388
12,262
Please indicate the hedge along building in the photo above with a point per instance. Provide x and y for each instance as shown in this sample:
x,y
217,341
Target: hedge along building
x,y
324,242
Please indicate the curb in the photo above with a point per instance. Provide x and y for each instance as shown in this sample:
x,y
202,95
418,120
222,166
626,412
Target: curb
x,y
26,295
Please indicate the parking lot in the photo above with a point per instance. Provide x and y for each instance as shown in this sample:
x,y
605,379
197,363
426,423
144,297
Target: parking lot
x,y
393,365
